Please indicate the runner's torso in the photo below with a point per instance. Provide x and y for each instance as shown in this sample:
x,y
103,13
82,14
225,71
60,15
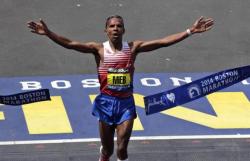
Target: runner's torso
x,y
116,72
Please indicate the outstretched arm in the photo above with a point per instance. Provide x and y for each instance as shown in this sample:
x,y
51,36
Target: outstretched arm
x,y
41,28
200,25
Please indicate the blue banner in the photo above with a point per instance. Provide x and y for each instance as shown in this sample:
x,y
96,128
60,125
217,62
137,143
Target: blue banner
x,y
68,114
25,97
194,90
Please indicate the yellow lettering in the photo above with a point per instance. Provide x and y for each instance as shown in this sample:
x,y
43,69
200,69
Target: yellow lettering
x,y
232,111
48,117
1,114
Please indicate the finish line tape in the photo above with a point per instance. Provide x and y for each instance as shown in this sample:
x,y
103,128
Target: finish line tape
x,y
26,97
194,90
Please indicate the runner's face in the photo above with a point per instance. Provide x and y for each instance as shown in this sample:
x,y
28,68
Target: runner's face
x,y
115,29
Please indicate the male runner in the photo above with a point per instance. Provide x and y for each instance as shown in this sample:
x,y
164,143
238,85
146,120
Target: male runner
x,y
114,107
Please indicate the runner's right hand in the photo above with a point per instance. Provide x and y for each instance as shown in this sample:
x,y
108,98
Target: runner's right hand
x,y
39,28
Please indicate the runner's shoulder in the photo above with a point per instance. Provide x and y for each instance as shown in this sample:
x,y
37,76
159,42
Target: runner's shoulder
x,y
135,44
95,45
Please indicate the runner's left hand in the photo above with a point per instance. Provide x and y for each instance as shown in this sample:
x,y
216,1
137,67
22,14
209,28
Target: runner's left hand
x,y
202,25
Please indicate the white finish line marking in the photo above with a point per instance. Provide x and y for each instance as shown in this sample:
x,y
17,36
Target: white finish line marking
x,y
238,136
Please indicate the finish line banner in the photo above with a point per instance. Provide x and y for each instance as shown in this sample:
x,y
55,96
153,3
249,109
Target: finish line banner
x,y
25,97
194,90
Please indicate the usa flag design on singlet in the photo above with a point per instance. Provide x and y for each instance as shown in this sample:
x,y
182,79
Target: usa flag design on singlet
x,y
116,72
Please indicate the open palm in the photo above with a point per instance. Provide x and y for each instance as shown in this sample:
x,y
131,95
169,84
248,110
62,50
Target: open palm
x,y
38,27
202,25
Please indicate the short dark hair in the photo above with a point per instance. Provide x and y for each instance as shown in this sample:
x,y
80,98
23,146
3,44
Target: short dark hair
x,y
113,16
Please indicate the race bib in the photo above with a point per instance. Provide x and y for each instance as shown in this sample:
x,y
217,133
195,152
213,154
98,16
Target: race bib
x,y
118,79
